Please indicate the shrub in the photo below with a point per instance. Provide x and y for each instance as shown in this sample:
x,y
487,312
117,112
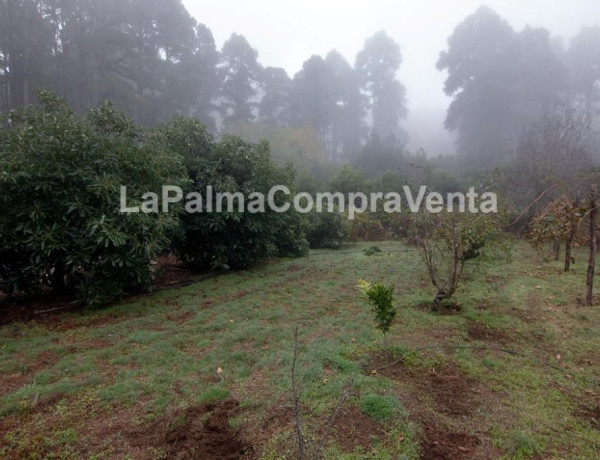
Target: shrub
x,y
368,227
326,230
60,178
380,297
372,251
236,240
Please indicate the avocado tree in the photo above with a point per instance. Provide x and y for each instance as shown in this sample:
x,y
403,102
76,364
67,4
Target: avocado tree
x,y
60,220
234,238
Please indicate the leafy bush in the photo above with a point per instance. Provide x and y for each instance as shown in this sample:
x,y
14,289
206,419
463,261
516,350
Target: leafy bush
x,y
60,178
326,230
380,297
367,227
235,240
372,251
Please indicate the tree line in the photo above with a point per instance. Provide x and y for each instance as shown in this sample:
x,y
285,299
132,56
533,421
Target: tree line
x,y
505,84
153,60
60,221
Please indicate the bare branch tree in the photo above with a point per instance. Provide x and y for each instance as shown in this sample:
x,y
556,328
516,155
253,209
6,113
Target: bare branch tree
x,y
446,241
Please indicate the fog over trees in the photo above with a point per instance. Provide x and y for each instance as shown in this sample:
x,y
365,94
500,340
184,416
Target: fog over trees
x,y
153,61
503,81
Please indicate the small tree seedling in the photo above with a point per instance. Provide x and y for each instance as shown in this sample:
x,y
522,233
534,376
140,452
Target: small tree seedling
x,y
380,297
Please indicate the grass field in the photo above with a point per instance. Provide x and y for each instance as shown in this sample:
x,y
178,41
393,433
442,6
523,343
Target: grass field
x,y
512,371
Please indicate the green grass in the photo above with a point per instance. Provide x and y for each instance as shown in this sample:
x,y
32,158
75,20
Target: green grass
x,y
380,407
66,384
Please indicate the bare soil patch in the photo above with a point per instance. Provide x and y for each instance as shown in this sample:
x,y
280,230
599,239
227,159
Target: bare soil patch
x,y
452,391
388,364
199,432
479,331
450,388
443,401
440,445
352,428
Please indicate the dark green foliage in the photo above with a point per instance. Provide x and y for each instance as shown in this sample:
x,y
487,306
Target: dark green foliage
x,y
326,230
60,225
235,239
372,251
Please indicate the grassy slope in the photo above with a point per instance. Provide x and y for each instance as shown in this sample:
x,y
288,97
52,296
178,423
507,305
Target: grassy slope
x,y
81,385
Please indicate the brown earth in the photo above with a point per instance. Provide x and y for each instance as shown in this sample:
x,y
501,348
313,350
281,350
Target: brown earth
x,y
352,429
199,432
479,331
440,445
443,402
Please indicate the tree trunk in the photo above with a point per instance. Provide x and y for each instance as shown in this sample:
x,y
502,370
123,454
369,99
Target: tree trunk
x,y
556,249
589,284
568,243
437,300
571,234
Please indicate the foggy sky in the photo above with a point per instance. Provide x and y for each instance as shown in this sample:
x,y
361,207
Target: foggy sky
x,y
287,33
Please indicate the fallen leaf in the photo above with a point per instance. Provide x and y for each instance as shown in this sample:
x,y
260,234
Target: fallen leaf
x,y
401,439
325,380
374,372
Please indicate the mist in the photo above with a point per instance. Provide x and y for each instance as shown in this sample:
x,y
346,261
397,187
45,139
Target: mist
x,y
318,229
461,80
